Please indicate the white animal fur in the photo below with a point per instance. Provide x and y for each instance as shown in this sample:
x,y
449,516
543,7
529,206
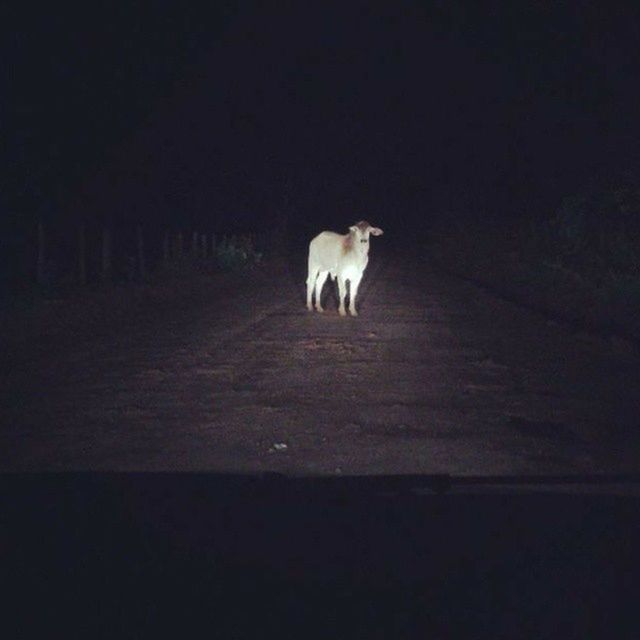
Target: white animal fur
x,y
344,257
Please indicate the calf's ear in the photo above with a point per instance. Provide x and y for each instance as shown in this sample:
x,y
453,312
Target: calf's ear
x,y
353,228
375,231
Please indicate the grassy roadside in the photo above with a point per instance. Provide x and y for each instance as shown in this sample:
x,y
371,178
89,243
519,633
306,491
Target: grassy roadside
x,y
535,265
73,312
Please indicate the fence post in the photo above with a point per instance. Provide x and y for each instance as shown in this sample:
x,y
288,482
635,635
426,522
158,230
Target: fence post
x,y
142,271
203,244
165,250
106,254
40,266
194,246
82,254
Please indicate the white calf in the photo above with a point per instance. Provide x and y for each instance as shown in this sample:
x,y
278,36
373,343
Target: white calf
x,y
342,257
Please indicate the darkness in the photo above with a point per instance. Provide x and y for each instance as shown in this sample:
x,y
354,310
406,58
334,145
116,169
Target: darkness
x,y
252,117
222,115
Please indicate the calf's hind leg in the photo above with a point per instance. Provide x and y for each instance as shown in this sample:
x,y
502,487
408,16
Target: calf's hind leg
x,y
322,278
311,280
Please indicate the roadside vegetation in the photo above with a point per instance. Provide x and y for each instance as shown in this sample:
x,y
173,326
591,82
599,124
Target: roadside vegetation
x,y
236,252
581,262
183,273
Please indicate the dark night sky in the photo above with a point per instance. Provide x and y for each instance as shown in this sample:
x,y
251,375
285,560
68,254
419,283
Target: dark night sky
x,y
385,110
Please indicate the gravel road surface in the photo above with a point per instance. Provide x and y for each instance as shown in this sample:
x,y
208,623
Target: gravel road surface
x,y
232,373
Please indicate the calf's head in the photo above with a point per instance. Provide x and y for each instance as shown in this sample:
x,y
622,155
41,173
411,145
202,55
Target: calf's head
x,y
360,232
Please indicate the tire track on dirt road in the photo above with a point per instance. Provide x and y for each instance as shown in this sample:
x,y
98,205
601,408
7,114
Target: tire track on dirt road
x,y
423,380
434,376
83,402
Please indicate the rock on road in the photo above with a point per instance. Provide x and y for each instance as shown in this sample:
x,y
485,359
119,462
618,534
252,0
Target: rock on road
x,y
434,376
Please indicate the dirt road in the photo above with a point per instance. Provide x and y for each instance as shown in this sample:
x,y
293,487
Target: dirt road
x,y
434,376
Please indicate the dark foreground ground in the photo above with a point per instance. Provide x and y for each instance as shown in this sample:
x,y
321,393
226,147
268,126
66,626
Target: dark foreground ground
x,y
204,555
227,375
233,374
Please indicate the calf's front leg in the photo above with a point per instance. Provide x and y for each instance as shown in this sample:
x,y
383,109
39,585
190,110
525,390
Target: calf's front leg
x,y
342,293
354,283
